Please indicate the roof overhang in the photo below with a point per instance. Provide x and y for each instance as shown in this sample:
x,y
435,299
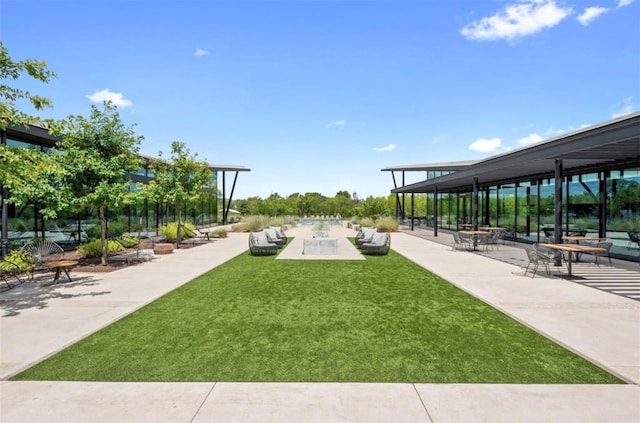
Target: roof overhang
x,y
612,144
33,133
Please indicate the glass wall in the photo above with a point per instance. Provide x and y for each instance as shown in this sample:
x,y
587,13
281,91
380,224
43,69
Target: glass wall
x,y
70,228
602,204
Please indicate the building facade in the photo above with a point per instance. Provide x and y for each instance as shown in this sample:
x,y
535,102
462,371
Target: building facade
x,y
587,180
23,223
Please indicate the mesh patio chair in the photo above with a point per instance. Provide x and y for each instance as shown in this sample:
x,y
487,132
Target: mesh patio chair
x,y
9,271
634,240
537,259
607,246
458,242
484,241
467,240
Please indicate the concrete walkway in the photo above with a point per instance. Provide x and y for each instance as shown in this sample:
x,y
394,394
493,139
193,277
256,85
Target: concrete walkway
x,y
38,321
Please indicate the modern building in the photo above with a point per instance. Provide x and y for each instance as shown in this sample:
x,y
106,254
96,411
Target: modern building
x,y
20,224
587,180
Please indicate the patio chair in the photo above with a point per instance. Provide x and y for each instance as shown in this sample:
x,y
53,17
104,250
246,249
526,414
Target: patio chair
x,y
458,242
280,233
607,246
195,235
9,270
259,244
40,252
634,238
467,240
577,232
379,244
485,241
537,259
272,237
365,235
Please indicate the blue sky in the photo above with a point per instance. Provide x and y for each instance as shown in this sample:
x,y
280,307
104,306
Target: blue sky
x,y
318,96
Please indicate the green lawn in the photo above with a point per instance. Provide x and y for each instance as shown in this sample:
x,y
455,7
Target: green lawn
x,y
260,319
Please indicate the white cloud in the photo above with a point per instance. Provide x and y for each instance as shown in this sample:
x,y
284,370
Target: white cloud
x,y
590,13
623,3
529,139
552,132
517,20
389,147
105,95
625,108
486,145
336,124
200,52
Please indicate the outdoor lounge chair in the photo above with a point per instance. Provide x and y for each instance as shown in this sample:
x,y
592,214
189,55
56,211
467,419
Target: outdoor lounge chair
x,y
272,237
379,244
280,233
365,235
259,244
42,251
195,235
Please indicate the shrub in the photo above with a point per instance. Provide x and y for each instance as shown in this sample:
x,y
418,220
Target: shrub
x,y
170,230
129,241
18,258
94,248
219,233
256,223
387,224
115,229
240,227
367,222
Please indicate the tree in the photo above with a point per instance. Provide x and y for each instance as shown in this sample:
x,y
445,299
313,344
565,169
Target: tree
x,y
95,155
371,207
30,176
181,180
10,70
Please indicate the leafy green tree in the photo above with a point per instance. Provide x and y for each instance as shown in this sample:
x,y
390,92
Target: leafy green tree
x,y
31,176
372,207
95,155
181,180
10,70
343,203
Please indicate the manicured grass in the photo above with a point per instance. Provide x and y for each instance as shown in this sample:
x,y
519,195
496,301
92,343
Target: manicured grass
x,y
260,319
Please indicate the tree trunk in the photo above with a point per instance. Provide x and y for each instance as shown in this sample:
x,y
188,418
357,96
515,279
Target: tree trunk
x,y
179,233
103,236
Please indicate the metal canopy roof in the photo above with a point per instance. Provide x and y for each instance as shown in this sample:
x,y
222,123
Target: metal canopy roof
x,y
610,144
432,166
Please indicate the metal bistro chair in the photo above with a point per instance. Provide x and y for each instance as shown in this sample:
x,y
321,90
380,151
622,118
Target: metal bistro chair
x,y
607,246
41,251
537,259
485,241
9,270
458,242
